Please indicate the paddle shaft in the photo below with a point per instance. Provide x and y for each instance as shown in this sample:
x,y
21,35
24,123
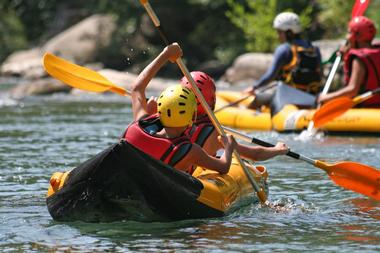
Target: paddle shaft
x,y
352,176
232,103
327,86
269,145
244,98
260,192
365,96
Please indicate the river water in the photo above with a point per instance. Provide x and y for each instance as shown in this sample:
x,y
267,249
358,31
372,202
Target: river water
x,y
41,135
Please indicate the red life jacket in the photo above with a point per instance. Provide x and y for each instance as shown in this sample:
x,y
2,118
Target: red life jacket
x,y
141,135
371,59
200,131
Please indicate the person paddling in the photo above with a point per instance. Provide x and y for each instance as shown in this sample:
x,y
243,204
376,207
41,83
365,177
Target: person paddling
x,y
203,132
296,61
162,135
361,63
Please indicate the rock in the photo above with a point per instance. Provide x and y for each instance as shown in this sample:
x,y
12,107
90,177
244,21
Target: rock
x,y
248,66
328,47
126,80
24,63
82,42
214,68
39,87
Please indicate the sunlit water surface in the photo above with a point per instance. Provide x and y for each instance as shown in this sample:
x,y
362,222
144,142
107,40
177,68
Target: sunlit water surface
x,y
39,136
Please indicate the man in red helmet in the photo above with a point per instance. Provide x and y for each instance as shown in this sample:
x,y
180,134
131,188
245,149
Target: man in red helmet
x,y
361,63
203,132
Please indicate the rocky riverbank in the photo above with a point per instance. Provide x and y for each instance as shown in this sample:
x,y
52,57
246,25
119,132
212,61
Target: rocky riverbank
x,y
82,43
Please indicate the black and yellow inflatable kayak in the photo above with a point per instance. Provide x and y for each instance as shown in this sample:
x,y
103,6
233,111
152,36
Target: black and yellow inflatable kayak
x,y
123,183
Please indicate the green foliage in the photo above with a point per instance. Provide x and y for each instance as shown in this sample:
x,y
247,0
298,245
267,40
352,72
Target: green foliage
x,y
12,36
207,30
335,16
255,19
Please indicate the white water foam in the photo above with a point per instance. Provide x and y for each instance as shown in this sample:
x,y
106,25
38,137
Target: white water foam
x,y
309,135
6,101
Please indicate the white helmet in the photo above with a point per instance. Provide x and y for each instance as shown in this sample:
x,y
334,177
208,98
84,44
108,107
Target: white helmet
x,y
287,21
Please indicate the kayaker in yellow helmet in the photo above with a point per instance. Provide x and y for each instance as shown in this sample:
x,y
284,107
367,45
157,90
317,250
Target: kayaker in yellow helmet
x,y
162,134
296,61
204,133
361,63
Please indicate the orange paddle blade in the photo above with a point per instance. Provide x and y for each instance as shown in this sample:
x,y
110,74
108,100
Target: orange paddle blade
x,y
353,176
331,110
79,77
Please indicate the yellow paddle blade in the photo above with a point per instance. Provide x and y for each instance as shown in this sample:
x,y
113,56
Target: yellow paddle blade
x,y
331,110
79,77
354,176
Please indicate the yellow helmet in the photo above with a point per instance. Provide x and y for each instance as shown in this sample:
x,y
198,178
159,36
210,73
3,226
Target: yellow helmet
x,y
176,106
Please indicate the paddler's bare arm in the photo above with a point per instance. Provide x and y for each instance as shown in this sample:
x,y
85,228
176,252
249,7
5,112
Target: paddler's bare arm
x,y
352,89
257,153
139,105
197,156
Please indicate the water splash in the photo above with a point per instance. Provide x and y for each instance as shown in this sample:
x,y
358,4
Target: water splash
x,y
289,205
6,101
309,135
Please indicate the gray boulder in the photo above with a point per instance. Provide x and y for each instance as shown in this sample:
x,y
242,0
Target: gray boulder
x,y
80,43
38,87
248,66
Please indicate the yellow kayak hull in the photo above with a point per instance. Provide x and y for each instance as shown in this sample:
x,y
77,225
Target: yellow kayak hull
x,y
291,118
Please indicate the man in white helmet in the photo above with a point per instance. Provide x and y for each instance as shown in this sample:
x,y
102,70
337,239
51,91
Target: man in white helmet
x,y
296,61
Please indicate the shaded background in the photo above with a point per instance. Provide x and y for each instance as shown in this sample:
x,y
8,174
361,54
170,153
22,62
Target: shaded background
x,y
211,32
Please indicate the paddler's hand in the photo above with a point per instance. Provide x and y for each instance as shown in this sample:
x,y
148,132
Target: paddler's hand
x,y
321,98
173,52
281,148
343,49
151,105
249,91
228,141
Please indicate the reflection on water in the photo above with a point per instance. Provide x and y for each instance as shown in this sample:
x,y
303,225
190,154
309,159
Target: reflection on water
x,y
39,136
362,209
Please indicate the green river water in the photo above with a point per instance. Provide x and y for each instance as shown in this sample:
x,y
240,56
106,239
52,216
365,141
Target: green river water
x,y
41,135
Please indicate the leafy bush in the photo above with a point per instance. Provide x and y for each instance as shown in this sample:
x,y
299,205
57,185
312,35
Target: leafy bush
x,y
255,19
12,34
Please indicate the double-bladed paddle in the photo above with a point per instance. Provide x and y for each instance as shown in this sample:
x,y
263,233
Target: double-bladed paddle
x,y
238,101
352,176
338,106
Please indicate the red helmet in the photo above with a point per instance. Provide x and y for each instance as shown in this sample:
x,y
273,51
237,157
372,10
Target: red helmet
x,y
361,29
206,85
